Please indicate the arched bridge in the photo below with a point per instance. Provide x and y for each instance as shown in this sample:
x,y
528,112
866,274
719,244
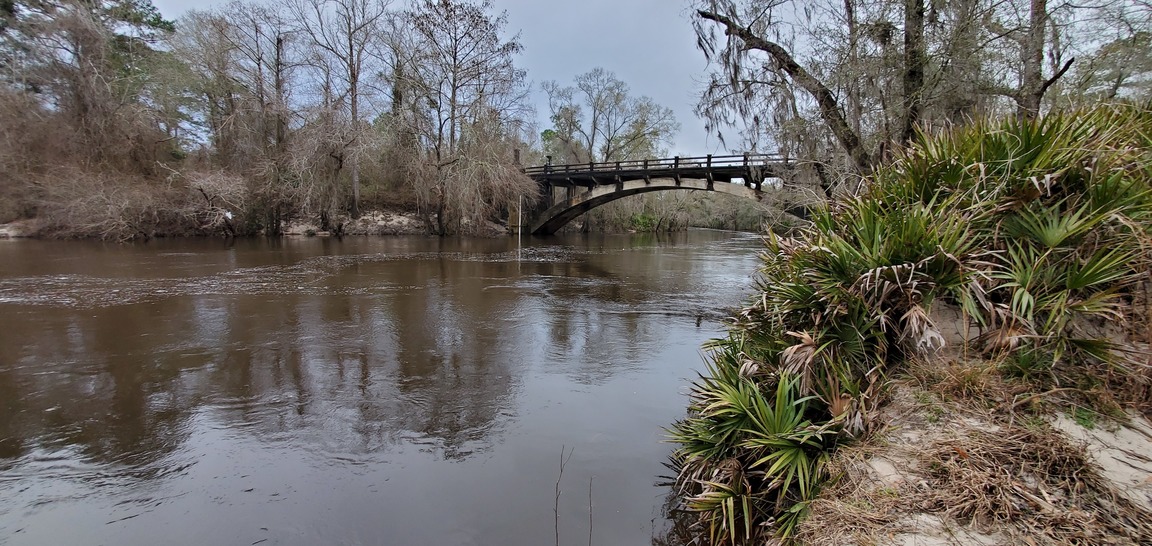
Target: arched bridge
x,y
567,191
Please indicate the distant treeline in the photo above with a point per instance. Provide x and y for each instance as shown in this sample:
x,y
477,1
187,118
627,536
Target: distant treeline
x,y
116,122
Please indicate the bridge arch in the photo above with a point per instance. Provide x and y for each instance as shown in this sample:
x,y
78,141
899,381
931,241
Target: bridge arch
x,y
555,217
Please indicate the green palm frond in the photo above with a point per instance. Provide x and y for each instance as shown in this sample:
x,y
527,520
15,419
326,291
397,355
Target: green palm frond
x,y
1054,226
1106,267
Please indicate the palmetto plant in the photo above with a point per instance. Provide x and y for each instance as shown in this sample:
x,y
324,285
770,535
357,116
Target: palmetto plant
x,y
1036,229
1060,211
747,453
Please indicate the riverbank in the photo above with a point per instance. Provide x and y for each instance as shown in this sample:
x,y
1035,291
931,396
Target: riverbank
x,y
387,222
376,222
373,222
933,361
22,228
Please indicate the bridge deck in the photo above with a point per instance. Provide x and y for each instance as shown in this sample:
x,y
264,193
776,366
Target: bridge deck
x,y
752,169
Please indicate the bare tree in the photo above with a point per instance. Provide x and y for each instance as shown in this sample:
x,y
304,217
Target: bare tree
x,y
463,84
245,62
347,32
781,65
1027,31
598,120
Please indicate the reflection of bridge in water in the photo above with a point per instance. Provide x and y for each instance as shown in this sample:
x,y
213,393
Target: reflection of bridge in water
x,y
567,191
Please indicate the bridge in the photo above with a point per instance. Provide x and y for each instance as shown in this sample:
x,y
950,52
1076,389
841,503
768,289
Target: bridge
x,y
567,191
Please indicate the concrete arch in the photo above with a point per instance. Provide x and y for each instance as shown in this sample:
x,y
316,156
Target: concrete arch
x,y
555,217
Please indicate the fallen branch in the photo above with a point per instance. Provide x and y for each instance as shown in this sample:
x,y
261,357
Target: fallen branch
x,y
1039,395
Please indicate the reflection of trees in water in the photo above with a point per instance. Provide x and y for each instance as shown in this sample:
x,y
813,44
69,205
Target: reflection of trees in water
x,y
456,356
600,308
12,407
427,362
593,345
71,383
425,354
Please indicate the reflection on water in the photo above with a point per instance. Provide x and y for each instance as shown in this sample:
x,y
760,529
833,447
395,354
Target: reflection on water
x,y
363,391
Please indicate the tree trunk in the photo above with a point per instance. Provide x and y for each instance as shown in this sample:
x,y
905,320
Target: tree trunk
x,y
354,211
914,55
1032,62
274,223
1032,82
441,225
354,153
855,109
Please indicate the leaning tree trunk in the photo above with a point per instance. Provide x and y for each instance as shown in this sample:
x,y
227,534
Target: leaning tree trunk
x,y
829,107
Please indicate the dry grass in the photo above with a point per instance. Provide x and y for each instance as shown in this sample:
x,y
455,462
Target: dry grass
x,y
858,507
977,383
81,203
996,385
948,470
1032,482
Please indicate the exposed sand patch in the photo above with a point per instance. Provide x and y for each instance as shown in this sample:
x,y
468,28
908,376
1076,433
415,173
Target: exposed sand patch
x,y
370,223
390,223
19,228
1124,454
386,223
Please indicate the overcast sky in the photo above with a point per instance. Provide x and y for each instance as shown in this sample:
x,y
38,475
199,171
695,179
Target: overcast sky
x,y
648,43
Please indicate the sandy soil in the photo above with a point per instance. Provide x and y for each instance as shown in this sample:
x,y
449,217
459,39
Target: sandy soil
x,y
371,223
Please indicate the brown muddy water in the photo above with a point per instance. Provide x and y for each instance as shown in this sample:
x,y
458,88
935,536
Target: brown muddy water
x,y
407,391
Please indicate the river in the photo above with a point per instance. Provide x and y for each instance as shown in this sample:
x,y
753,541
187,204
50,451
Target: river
x,y
392,390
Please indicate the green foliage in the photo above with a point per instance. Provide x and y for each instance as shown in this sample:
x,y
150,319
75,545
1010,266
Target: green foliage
x,y
1084,417
1036,229
644,222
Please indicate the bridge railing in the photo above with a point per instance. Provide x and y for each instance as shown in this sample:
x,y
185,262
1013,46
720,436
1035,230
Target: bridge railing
x,y
663,164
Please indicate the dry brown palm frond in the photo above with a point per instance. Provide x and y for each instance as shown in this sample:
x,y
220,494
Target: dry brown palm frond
x,y
878,285
1006,332
750,367
839,402
799,359
919,332
840,406
785,246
